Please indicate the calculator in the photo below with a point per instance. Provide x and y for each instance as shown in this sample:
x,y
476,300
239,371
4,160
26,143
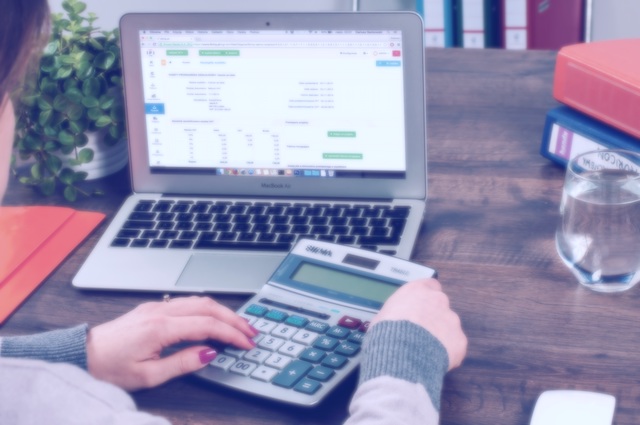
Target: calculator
x,y
312,315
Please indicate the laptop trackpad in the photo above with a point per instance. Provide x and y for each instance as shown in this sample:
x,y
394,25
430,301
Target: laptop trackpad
x,y
245,273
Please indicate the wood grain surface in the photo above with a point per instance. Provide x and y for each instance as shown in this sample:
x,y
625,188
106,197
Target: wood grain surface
x,y
489,231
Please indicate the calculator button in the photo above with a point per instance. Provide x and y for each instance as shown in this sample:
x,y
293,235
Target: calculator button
x,y
364,327
256,310
307,386
305,337
321,373
265,326
242,367
235,352
334,361
223,362
326,343
316,326
350,322
292,374
348,349
263,373
297,321
313,355
271,343
284,331
338,332
291,349
276,315
278,361
356,337
257,355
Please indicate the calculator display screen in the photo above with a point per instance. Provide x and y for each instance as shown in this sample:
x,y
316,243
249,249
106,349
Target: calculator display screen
x,y
344,282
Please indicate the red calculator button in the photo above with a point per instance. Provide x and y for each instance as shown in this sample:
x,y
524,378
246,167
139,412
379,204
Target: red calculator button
x,y
350,322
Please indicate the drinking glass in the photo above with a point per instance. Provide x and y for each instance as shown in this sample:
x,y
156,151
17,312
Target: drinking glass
x,y
598,236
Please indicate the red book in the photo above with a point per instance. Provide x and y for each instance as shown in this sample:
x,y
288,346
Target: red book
x,y
542,24
602,79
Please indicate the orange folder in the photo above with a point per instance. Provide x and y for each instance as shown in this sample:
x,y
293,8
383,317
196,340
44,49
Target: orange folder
x,y
34,240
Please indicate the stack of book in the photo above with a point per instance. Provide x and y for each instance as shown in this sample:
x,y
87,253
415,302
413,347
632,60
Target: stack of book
x,y
598,84
509,24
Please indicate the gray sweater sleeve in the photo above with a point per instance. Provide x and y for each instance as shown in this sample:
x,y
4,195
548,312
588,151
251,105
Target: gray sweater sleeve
x,y
401,376
59,346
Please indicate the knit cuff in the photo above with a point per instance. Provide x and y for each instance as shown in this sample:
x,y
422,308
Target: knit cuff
x,y
405,350
59,346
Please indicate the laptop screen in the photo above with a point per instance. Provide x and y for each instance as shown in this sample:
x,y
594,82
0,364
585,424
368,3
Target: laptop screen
x,y
278,103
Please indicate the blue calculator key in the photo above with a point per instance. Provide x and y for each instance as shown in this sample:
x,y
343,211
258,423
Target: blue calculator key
x,y
348,349
293,373
335,361
307,386
256,310
339,332
276,315
326,343
297,321
356,337
321,373
316,326
313,355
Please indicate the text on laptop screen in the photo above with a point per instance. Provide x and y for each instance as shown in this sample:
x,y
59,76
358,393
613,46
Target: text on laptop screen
x,y
275,102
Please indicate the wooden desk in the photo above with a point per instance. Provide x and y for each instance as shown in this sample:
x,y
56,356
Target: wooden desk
x,y
489,231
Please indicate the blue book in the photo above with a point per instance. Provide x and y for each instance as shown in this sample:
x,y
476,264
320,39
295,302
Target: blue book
x,y
568,133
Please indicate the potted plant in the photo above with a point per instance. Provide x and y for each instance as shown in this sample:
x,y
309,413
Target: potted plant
x,y
75,95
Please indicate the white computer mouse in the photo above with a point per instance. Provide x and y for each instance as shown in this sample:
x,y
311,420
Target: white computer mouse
x,y
569,407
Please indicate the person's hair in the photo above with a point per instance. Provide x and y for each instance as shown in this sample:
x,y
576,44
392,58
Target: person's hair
x,y
24,28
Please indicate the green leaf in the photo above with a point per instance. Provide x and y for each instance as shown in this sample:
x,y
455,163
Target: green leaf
x,y
67,59
49,63
45,117
66,138
82,139
36,171
62,102
70,193
94,113
107,101
74,94
50,146
95,44
75,112
77,127
103,121
90,102
104,60
51,48
81,176
44,103
54,164
79,7
85,155
85,70
63,72
66,176
91,87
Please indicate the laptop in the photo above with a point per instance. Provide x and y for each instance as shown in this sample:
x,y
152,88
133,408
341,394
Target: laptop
x,y
250,131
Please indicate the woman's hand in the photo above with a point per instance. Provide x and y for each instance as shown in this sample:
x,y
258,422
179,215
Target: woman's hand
x,y
126,351
423,302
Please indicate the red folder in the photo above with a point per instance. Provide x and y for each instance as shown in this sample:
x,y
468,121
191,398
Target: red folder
x,y
33,242
602,80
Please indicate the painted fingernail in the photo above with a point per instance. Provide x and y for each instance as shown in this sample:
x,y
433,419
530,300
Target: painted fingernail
x,y
254,330
207,355
253,343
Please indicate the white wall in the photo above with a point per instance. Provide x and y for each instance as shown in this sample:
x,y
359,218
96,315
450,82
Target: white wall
x,y
109,11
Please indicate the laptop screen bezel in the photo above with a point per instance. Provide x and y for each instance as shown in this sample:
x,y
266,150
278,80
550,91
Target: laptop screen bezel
x,y
143,180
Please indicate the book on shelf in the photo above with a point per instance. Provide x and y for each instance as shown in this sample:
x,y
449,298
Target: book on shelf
x,y
602,80
438,22
542,24
35,241
478,23
568,133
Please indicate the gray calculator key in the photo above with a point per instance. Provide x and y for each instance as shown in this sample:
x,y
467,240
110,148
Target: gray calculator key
x,y
242,367
264,373
292,374
223,362
278,361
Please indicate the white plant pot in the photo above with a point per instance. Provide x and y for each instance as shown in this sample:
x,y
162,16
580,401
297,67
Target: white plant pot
x,y
106,159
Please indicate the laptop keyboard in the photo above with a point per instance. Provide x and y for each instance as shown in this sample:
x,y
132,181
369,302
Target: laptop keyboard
x,y
263,226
